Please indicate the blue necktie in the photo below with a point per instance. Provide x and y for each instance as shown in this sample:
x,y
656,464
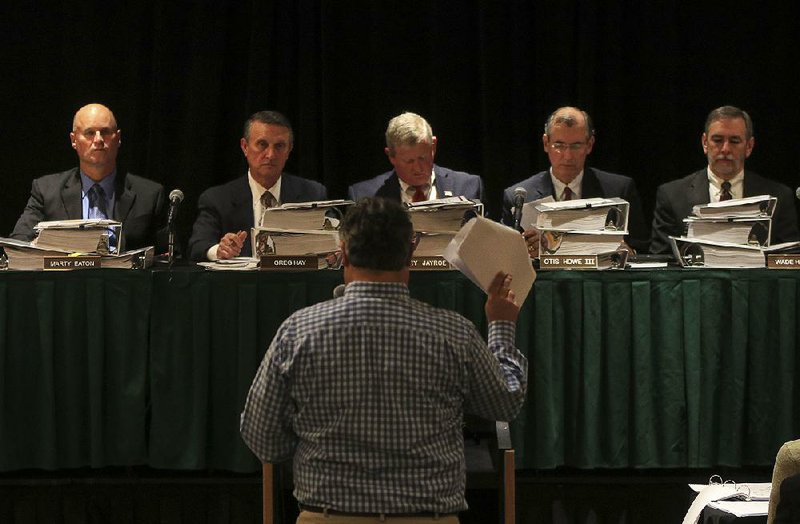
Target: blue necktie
x,y
97,202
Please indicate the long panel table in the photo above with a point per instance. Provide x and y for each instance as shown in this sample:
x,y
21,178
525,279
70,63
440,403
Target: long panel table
x,y
628,369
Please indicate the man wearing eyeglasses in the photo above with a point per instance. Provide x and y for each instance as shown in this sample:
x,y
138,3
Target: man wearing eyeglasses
x,y
568,139
96,188
727,142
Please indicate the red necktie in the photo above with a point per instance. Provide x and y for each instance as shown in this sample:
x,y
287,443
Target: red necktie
x,y
568,193
725,194
419,193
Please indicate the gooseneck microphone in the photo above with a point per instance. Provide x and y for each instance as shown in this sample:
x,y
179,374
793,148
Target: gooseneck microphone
x,y
519,199
175,199
797,193
338,291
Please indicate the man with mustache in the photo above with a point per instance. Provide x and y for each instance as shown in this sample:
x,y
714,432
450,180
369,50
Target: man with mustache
x,y
96,188
727,142
226,213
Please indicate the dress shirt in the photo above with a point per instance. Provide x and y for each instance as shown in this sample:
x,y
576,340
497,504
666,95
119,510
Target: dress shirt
x,y
368,391
715,186
107,184
408,198
256,190
575,186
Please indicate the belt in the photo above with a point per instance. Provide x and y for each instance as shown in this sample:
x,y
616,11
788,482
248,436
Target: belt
x,y
420,514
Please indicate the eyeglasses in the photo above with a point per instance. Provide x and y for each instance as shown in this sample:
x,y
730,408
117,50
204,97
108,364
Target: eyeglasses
x,y
90,133
560,147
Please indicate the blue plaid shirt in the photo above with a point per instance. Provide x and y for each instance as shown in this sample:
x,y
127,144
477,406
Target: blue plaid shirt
x,y
367,393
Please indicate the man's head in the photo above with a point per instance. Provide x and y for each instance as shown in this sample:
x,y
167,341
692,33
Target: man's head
x,y
727,140
96,139
266,142
411,146
568,139
377,237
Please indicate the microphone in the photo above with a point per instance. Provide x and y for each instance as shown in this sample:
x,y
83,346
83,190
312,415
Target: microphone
x,y
338,291
797,193
175,199
519,199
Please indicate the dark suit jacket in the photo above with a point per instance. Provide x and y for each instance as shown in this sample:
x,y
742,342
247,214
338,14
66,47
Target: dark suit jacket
x,y
595,184
788,510
140,206
228,208
447,182
675,200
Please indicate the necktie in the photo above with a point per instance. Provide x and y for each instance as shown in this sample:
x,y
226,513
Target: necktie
x,y
267,201
725,194
420,193
97,202
568,193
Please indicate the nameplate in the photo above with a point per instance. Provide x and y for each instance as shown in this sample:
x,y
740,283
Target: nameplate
x,y
430,264
783,261
289,262
64,263
610,260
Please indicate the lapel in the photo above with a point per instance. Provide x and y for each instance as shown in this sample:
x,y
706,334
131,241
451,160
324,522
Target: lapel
x,y
124,197
751,186
71,196
542,188
390,188
590,185
698,190
242,202
443,183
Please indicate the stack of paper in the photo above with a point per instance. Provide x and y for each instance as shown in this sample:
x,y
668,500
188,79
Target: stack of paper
x,y
77,236
728,234
299,229
31,257
437,221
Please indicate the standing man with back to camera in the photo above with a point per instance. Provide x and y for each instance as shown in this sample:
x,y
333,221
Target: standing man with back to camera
x,y
367,392
727,141
227,212
96,188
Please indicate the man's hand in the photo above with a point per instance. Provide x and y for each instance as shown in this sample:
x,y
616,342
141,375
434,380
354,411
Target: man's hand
x,y
500,303
532,239
230,245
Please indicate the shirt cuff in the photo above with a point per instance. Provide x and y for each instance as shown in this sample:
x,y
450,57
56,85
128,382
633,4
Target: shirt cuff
x,y
501,332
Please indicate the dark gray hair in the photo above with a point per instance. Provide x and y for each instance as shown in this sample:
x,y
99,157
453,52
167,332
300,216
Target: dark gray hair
x,y
726,112
378,235
268,117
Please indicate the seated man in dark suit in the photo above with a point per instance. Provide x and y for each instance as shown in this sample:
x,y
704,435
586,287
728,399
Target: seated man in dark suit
x,y
227,212
727,142
411,147
568,139
96,189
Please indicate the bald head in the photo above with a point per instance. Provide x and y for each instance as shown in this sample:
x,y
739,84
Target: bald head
x,y
96,139
568,139
570,117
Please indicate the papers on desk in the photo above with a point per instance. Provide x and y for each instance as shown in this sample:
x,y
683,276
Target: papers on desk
x,y
232,264
742,500
761,206
509,253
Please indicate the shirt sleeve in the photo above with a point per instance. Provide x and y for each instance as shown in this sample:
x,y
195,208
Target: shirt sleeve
x,y
266,420
497,374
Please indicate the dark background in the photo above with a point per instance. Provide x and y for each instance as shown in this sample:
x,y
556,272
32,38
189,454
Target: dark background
x,y
182,77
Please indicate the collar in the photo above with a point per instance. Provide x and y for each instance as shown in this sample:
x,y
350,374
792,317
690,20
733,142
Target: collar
x,y
257,189
575,185
107,183
432,194
367,289
715,184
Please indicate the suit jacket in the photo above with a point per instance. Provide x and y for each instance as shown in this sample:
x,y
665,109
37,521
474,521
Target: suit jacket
x,y
228,208
675,200
140,206
595,184
447,182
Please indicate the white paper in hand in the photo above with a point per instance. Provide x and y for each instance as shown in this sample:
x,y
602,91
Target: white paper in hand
x,y
483,247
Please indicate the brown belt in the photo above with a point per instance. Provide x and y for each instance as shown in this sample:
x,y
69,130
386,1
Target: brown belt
x,y
419,514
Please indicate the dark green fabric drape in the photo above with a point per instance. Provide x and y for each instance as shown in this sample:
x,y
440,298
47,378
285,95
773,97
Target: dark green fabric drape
x,y
636,369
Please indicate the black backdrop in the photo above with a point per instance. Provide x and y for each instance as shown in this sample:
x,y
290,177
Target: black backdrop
x,y
181,78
